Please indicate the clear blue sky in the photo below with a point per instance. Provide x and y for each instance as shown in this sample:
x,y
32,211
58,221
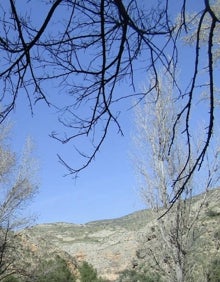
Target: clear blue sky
x,y
106,189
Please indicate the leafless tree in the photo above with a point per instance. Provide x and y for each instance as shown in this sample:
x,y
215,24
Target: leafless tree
x,y
18,187
192,23
87,48
157,165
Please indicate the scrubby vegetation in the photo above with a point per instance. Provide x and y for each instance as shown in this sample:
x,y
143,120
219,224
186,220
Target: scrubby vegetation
x,y
57,270
134,276
54,270
89,273
213,274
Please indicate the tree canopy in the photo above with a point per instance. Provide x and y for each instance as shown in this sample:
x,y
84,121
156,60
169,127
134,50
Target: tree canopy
x,y
86,49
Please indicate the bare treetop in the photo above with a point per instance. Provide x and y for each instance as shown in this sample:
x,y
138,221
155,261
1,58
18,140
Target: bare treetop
x,y
86,48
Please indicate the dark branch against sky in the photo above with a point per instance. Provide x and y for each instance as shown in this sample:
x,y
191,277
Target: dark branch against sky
x,y
87,49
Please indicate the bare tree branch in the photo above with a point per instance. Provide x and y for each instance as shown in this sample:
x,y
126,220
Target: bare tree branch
x,y
87,49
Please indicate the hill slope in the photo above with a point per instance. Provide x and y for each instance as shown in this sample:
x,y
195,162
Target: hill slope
x,y
111,245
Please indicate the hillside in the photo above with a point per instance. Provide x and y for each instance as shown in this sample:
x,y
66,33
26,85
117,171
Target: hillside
x,y
111,246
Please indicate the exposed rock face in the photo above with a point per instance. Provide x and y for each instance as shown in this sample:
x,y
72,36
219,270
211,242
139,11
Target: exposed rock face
x,y
108,251
112,246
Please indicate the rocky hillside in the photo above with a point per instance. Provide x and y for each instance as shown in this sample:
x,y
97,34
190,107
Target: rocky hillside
x,y
111,246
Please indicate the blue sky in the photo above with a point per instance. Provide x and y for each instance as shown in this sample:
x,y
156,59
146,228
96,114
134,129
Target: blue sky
x,y
106,189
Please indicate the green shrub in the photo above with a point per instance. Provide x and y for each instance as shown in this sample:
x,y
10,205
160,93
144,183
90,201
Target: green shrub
x,y
54,271
214,271
88,273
